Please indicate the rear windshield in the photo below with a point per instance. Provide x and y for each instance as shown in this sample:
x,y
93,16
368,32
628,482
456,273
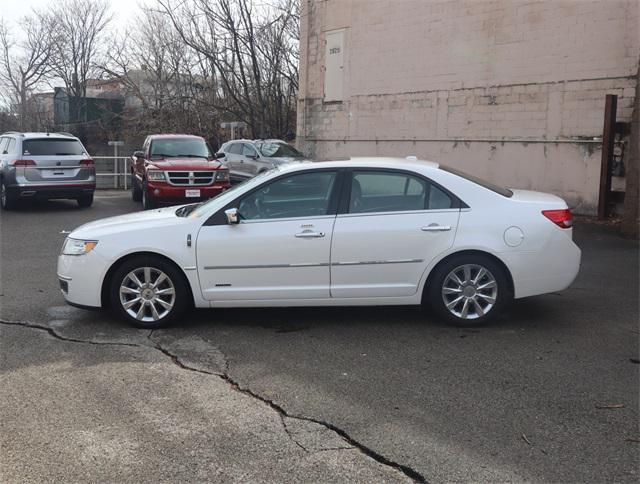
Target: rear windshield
x,y
505,192
52,146
278,149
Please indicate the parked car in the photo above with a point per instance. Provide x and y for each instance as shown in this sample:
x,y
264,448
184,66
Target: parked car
x,y
247,158
359,232
176,168
45,166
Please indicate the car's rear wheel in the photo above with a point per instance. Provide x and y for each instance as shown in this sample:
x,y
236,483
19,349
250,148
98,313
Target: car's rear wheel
x,y
148,292
136,191
469,290
85,200
147,203
7,201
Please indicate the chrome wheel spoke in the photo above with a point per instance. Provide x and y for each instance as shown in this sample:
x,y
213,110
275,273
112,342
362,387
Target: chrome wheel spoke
x,y
129,290
141,310
466,270
164,304
451,290
165,292
489,299
455,302
465,309
134,278
130,304
147,275
488,285
481,273
477,307
154,311
159,280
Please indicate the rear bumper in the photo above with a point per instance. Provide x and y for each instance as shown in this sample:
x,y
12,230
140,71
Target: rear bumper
x,y
169,194
51,191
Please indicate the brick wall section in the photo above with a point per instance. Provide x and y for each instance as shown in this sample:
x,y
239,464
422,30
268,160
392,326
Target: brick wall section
x,y
444,70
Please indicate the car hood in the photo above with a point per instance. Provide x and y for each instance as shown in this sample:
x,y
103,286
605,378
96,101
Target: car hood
x,y
125,223
187,164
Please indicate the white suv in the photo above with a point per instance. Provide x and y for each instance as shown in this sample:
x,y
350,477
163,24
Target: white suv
x,y
45,165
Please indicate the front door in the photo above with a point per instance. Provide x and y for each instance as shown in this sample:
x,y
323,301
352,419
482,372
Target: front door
x,y
395,224
281,247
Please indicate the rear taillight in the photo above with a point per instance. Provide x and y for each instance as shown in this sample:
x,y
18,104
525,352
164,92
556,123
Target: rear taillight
x,y
562,218
22,163
87,162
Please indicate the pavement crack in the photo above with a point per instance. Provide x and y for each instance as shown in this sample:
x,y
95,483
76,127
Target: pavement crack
x,y
353,443
58,336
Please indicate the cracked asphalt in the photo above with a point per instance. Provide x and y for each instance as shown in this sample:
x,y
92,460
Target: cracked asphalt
x,y
547,393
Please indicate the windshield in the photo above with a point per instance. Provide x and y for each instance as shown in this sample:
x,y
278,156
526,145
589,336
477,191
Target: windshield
x,y
226,196
52,146
505,192
278,149
180,147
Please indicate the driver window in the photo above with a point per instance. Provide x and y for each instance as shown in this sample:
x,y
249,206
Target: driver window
x,y
248,150
302,195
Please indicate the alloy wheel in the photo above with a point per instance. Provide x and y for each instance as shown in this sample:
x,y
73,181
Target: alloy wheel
x,y
469,291
147,294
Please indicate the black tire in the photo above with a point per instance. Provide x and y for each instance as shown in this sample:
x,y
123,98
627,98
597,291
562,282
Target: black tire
x,y
477,299
147,203
85,201
136,191
7,202
175,280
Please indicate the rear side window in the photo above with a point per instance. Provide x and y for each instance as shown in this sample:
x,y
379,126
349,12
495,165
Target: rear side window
x,y
49,146
248,150
3,144
10,149
505,192
373,192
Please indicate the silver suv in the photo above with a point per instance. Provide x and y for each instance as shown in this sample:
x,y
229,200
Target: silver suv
x,y
246,158
45,165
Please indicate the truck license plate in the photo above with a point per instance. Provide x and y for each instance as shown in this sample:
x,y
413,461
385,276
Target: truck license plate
x,y
192,193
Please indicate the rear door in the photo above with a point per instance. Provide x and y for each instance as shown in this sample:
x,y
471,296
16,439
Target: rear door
x,y
393,224
56,160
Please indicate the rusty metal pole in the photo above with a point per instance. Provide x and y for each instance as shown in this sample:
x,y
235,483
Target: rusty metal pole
x,y
608,137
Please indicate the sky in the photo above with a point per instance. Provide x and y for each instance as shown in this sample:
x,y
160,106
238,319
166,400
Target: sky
x,y
13,10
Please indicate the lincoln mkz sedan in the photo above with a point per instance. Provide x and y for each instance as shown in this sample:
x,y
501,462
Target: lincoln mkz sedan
x,y
366,231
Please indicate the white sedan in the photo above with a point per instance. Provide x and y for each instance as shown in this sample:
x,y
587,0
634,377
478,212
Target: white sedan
x,y
366,231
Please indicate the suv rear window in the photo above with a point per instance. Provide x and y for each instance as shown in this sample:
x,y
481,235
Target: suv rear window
x,y
52,146
505,192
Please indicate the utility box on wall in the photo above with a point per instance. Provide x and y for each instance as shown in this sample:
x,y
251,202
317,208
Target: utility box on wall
x,y
334,66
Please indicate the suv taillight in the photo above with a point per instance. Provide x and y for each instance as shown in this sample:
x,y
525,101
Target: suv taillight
x,y
87,162
22,163
562,218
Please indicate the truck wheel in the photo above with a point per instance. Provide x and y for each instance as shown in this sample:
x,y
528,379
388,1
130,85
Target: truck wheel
x,y
147,203
136,192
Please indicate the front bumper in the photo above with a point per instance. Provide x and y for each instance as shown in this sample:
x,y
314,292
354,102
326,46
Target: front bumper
x,y
161,192
80,278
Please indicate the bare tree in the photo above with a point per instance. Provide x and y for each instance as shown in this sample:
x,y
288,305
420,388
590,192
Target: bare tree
x,y
25,64
80,28
251,49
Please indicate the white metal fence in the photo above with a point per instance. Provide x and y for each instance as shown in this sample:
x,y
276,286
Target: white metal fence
x,y
112,172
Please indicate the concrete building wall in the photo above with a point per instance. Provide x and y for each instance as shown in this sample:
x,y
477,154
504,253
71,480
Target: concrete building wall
x,y
509,90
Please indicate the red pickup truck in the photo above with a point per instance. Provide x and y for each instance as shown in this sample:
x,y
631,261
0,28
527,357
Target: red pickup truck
x,y
176,168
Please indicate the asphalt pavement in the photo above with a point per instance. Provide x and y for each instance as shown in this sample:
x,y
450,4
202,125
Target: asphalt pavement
x,y
549,392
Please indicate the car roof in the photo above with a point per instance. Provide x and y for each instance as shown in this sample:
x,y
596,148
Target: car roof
x,y
366,162
162,136
29,135
255,141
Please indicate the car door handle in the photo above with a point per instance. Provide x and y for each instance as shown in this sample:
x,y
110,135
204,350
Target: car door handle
x,y
309,235
436,228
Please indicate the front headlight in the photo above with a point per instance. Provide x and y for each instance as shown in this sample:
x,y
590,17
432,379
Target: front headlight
x,y
222,175
78,247
155,175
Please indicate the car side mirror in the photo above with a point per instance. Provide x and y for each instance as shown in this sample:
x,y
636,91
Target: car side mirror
x,y
233,216
138,154
219,155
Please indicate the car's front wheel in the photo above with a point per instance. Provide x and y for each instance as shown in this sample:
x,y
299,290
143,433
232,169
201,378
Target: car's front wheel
x,y
148,292
469,290
136,191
